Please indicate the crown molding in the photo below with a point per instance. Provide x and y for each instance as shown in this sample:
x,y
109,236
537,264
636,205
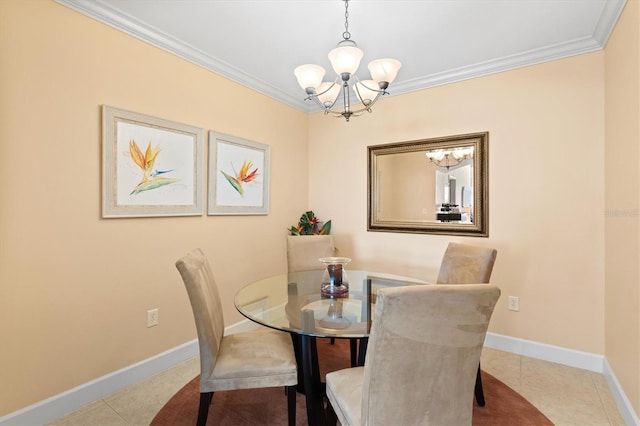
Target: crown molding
x,y
102,11
505,63
105,13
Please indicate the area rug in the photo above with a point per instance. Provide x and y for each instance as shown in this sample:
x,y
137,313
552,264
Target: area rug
x,y
268,406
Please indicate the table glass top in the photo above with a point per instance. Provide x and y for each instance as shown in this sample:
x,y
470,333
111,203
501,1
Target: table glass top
x,y
293,302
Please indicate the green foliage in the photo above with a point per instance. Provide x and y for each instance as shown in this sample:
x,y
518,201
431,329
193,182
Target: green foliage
x,y
309,224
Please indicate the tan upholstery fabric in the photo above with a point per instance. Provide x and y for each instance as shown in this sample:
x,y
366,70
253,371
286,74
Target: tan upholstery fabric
x,y
345,394
258,359
466,264
303,251
422,358
237,361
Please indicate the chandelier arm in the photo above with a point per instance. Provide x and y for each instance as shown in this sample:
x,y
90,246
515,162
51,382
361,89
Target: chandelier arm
x,y
358,95
373,101
316,97
329,88
378,90
358,111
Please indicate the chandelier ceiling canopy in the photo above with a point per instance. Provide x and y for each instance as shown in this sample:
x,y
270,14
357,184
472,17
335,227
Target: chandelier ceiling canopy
x,y
345,60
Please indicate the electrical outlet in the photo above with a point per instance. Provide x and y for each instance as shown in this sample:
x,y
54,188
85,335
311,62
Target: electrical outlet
x,y
152,317
514,303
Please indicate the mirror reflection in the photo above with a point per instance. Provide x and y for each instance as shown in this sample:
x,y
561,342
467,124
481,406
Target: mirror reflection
x,y
429,186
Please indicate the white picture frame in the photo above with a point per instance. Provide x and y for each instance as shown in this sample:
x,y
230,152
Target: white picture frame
x,y
150,166
238,176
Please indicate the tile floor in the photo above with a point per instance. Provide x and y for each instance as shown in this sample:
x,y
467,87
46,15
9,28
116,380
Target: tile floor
x,y
566,395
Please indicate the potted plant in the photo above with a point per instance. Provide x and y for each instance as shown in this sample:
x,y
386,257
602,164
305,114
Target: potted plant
x,y
309,224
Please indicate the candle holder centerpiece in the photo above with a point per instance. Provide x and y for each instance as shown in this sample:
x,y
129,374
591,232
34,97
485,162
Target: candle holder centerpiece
x,y
335,282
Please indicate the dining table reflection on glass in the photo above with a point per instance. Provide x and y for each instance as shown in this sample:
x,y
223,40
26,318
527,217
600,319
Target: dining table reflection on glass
x,y
298,303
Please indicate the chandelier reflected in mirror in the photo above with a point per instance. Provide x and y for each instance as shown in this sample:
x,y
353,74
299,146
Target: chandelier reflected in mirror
x,y
345,60
449,157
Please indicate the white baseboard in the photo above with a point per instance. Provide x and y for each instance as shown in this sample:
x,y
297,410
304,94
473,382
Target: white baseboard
x,y
570,357
66,402
623,403
557,354
69,401
76,398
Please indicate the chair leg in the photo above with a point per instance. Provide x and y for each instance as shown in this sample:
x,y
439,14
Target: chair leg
x,y
478,390
203,411
332,341
362,351
332,418
291,404
354,352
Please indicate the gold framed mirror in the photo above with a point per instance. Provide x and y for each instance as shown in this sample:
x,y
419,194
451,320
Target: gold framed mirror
x,y
430,186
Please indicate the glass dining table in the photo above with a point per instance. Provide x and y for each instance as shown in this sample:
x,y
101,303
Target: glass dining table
x,y
293,303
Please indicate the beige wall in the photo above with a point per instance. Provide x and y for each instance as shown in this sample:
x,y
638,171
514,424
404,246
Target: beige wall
x,y
546,177
74,288
622,206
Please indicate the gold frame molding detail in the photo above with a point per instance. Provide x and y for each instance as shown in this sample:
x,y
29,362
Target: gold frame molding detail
x,y
418,185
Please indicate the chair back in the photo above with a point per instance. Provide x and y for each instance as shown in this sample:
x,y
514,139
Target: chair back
x,y
423,353
205,303
303,251
466,264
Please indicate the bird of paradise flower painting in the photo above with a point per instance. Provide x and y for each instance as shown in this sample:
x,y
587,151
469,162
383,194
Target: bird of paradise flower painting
x,y
242,177
151,179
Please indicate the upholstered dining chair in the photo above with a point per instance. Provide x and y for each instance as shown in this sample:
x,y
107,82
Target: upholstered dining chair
x,y
468,264
303,251
424,348
256,359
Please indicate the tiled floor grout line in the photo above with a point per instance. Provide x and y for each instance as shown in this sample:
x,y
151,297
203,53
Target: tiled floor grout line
x,y
104,400
602,402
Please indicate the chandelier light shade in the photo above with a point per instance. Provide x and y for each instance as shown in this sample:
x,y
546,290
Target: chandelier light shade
x,y
309,75
345,60
384,70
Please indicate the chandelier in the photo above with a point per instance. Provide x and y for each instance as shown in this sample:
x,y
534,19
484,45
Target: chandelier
x,y
345,59
449,157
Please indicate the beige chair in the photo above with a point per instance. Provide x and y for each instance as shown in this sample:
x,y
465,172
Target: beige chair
x,y
256,359
303,251
468,264
424,349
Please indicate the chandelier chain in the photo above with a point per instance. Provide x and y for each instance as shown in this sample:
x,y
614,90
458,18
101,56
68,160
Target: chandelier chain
x,y
346,34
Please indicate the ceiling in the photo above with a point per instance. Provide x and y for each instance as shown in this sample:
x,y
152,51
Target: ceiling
x,y
258,43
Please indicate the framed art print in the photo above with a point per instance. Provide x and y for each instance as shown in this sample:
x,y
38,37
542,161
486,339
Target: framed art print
x,y
150,166
238,176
